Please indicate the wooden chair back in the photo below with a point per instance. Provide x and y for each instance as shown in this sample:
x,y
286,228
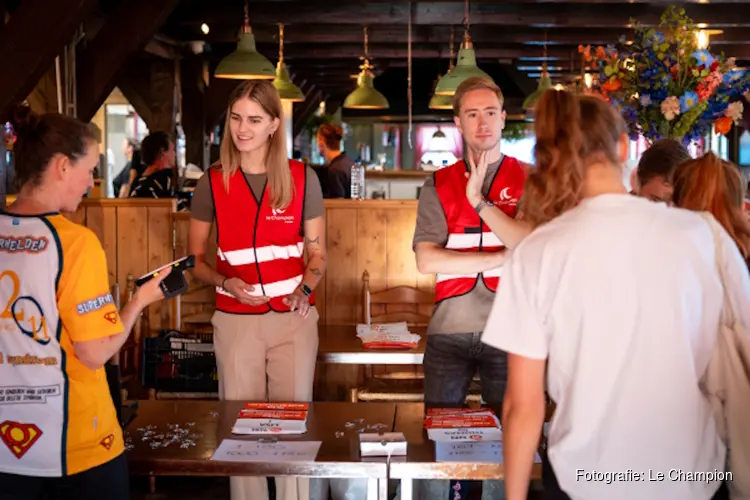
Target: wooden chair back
x,y
400,303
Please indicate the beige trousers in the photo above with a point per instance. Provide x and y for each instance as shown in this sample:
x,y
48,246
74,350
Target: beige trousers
x,y
266,357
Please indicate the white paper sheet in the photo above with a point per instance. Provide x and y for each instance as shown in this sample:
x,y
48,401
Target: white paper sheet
x,y
234,450
480,452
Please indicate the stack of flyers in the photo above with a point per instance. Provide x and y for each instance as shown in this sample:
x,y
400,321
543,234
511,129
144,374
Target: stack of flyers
x,y
272,418
462,424
387,336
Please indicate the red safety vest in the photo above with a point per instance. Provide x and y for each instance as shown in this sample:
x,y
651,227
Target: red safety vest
x,y
257,243
466,230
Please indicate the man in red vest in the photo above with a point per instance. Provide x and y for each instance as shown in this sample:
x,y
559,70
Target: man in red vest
x,y
465,223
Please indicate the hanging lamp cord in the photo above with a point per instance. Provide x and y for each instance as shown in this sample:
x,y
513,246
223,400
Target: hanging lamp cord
x,y
281,43
408,89
246,27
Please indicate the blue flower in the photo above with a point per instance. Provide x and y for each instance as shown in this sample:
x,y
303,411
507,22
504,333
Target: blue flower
x,y
659,37
703,57
645,100
610,50
687,101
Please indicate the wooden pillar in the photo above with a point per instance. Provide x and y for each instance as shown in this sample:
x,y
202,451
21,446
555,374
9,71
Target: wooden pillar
x,y
51,26
163,97
193,109
125,33
288,119
150,88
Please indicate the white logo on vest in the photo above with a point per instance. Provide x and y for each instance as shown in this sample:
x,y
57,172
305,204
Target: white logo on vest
x,y
278,215
506,198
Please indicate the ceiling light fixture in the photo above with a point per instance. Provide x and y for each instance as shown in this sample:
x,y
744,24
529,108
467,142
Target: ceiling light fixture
x,y
245,63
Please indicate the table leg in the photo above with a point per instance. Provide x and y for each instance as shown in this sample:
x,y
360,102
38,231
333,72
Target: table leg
x,y
407,486
377,489
383,489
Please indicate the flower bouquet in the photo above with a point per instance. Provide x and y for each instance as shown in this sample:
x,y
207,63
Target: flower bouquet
x,y
664,85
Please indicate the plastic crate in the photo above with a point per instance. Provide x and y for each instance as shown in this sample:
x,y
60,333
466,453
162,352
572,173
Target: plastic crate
x,y
174,362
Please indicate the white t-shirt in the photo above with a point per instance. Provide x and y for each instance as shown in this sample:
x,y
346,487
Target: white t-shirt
x,y
623,297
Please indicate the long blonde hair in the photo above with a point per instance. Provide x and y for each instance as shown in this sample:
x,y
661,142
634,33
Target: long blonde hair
x,y
710,184
571,131
280,185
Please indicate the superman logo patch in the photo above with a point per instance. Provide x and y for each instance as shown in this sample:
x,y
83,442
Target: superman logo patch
x,y
111,317
19,438
108,441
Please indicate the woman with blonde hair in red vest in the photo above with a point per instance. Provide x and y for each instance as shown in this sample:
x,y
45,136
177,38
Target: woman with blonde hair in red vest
x,y
268,212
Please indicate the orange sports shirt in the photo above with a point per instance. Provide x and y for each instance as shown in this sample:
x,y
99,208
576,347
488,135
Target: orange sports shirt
x,y
56,415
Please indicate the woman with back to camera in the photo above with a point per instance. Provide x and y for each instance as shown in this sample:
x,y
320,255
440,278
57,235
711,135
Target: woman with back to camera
x,y
58,326
709,184
619,299
267,209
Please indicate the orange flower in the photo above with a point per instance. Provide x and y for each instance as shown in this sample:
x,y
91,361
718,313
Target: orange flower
x,y
612,85
600,54
586,51
723,125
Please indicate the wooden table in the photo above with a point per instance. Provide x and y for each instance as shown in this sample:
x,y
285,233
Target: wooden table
x,y
340,345
420,463
338,456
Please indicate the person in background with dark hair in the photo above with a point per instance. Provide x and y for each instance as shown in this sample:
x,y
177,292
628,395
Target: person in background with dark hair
x,y
339,164
656,169
131,171
710,184
617,301
68,443
160,157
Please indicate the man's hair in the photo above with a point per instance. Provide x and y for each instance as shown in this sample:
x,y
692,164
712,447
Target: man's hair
x,y
661,160
154,146
331,135
474,83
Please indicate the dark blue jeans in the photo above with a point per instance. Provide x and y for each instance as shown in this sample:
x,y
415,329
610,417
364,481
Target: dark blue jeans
x,y
450,361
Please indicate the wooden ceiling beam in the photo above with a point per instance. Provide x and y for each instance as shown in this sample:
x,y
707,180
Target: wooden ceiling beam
x,y
540,15
256,2
419,51
487,52
126,32
347,33
34,35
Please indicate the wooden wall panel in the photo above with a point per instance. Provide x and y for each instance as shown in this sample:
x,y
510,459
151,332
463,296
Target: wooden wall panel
x,y
372,255
160,251
103,222
342,281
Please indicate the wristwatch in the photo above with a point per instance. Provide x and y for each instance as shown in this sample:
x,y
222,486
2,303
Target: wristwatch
x,y
480,206
305,289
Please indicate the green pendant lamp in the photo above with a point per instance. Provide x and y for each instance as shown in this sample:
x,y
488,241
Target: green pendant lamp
x,y
245,63
466,67
443,101
545,83
288,91
365,96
